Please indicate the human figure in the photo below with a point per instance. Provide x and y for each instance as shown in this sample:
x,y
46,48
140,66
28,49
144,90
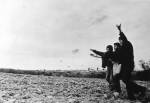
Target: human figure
x,y
116,63
126,58
106,63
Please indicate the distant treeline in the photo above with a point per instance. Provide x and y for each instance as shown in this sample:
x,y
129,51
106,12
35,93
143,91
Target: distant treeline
x,y
59,73
136,75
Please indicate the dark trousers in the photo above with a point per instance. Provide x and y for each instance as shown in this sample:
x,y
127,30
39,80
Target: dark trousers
x,y
109,76
125,75
116,83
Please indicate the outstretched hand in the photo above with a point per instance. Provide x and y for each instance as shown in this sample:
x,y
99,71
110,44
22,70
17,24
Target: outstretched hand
x,y
119,27
95,56
92,49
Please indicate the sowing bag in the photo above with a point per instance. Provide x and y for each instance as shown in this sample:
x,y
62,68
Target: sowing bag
x,y
116,68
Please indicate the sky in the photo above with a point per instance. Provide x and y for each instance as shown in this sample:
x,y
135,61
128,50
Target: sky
x,y
58,34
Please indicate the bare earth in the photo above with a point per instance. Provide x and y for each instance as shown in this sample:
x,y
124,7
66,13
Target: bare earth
x,y
20,88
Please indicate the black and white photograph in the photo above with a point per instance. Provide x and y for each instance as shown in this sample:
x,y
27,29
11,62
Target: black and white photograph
x,y
74,51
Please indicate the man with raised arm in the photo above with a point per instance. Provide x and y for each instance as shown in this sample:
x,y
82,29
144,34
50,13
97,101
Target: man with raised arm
x,y
127,66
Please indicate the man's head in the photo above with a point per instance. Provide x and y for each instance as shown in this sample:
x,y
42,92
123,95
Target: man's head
x,y
109,48
120,41
116,45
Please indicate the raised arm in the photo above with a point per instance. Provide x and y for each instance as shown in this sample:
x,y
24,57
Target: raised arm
x,y
98,52
121,34
119,27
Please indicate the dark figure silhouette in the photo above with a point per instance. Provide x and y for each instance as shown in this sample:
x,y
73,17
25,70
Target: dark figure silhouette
x,y
106,62
116,61
126,58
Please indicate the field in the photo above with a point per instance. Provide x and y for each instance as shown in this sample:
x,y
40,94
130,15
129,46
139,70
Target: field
x,y
24,88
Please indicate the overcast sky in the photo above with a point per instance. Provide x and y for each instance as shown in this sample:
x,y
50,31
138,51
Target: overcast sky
x,y
57,34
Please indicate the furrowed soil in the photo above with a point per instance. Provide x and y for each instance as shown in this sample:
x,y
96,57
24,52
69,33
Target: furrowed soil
x,y
20,88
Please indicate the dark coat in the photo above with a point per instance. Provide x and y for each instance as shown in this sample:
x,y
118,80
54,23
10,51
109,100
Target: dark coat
x,y
126,53
116,56
106,56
